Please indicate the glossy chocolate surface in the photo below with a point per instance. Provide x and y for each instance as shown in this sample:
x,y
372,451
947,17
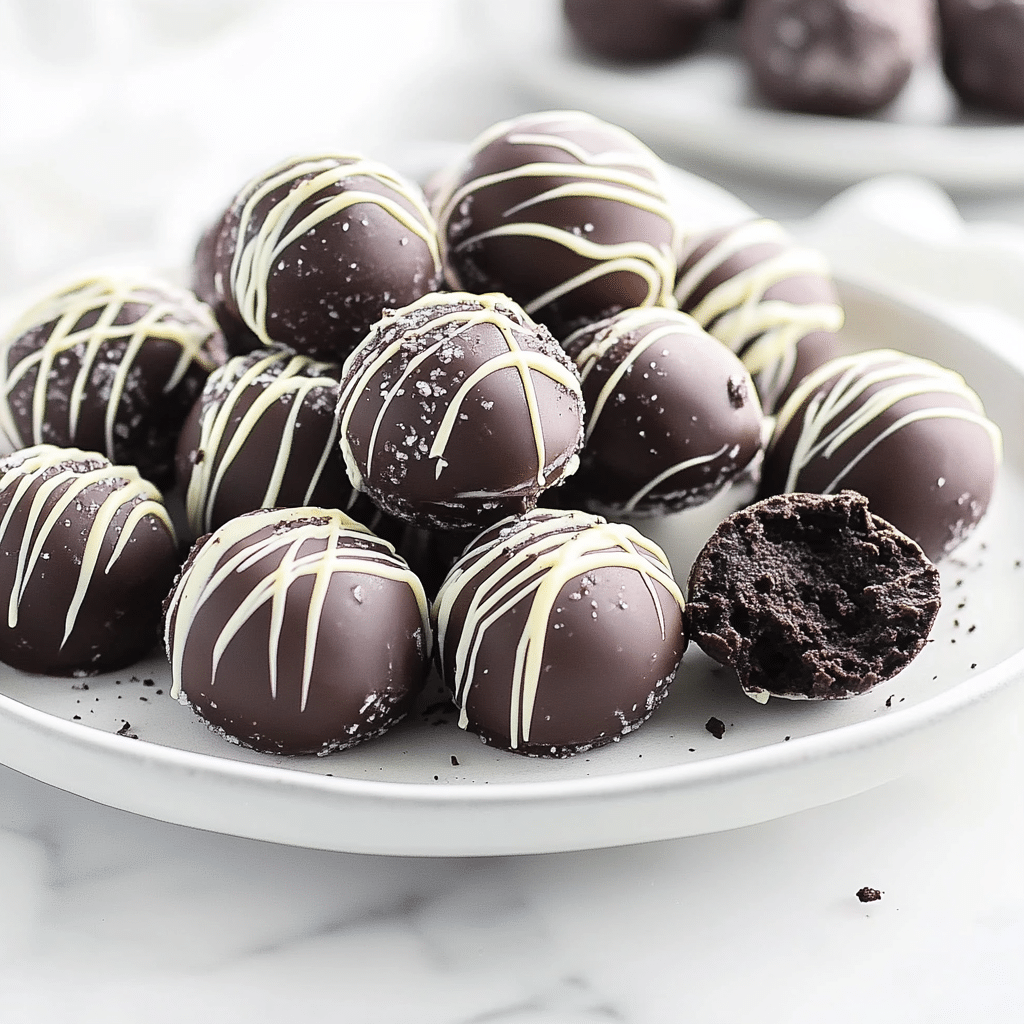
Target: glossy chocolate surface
x,y
908,434
297,631
770,300
87,555
311,252
672,414
263,433
562,212
558,632
458,411
110,364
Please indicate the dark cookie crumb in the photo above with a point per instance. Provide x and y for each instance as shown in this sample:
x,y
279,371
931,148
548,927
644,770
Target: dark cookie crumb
x,y
716,727
455,761
868,895
809,595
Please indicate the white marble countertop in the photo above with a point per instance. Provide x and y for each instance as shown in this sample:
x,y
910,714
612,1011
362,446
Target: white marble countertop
x,y
123,123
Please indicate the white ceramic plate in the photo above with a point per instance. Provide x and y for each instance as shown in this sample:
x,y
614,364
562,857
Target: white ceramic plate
x,y
701,106
429,789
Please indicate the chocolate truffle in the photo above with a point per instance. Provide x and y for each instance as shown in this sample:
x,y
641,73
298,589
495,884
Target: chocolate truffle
x,y
87,554
841,57
458,411
672,414
639,30
558,632
297,631
109,364
770,300
983,52
263,433
905,432
811,596
311,252
564,213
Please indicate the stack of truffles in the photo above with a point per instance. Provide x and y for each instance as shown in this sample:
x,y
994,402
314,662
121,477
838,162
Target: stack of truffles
x,y
411,428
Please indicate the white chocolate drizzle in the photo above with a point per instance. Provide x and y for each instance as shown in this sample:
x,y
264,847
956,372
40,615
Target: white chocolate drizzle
x,y
448,316
763,332
262,381
839,407
661,324
170,314
318,189
300,543
629,175
60,477
532,559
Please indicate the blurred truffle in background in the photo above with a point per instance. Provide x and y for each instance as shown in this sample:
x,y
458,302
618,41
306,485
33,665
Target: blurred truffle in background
x,y
983,52
640,30
843,57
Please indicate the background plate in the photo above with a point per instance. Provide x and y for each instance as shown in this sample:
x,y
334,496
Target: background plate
x,y
427,788
700,106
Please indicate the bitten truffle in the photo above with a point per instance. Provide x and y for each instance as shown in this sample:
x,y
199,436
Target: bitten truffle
x,y
458,411
558,632
110,364
905,432
811,596
297,631
311,252
87,555
564,213
672,414
770,300
834,56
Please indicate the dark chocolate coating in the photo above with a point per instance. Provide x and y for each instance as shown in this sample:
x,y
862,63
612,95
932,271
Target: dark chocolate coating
x,y
238,338
458,411
639,30
558,632
908,434
842,57
311,253
82,603
562,212
315,639
771,301
983,52
672,414
263,433
109,364
811,596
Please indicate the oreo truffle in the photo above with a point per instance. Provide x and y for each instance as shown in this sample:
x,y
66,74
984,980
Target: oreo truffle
x,y
672,414
112,364
811,596
564,213
297,631
639,30
459,410
558,632
770,300
263,433
905,432
842,57
87,555
983,52
312,251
